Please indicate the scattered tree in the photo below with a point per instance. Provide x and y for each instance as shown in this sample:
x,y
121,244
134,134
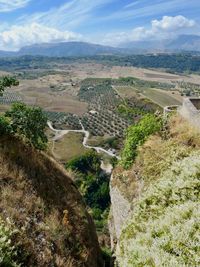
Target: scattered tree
x,y
29,122
7,82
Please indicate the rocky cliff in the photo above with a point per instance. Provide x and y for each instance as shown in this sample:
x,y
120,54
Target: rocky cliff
x,y
155,211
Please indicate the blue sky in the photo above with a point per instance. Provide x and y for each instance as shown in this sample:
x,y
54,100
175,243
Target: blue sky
x,y
25,22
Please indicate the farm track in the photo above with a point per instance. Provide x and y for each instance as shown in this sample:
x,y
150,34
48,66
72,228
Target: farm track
x,y
60,133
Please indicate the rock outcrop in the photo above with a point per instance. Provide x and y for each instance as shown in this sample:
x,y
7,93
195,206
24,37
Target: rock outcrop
x,y
118,214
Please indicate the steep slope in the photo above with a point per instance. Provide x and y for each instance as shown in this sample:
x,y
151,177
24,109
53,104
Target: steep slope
x,y
43,204
160,197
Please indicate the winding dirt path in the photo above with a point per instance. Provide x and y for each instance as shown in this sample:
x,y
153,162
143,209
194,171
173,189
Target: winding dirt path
x,y
60,133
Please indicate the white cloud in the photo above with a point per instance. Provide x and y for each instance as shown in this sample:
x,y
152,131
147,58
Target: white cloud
x,y
10,5
19,36
71,14
167,27
172,23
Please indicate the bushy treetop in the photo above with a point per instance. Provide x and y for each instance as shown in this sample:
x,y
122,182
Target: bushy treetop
x,y
7,81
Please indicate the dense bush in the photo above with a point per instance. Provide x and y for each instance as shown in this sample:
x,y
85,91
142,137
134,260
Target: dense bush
x,y
85,164
7,82
92,182
5,127
136,136
29,122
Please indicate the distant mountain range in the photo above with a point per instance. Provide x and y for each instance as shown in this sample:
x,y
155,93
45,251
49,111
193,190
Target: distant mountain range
x,y
181,43
66,49
72,49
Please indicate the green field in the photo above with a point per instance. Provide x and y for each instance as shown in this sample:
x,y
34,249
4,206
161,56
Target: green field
x,y
68,147
161,98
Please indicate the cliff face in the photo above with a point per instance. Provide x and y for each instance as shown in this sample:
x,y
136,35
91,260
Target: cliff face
x,y
43,204
122,192
155,205
118,214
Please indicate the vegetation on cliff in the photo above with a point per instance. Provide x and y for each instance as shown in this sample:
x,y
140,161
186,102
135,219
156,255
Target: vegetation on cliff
x,y
93,184
9,253
136,136
28,122
44,206
163,229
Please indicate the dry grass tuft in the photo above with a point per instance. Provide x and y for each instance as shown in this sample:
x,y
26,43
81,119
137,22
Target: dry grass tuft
x,y
156,156
35,190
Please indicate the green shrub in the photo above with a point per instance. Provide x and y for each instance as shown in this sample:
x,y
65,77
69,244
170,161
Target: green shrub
x,y
90,162
7,82
93,184
136,136
5,127
29,122
8,253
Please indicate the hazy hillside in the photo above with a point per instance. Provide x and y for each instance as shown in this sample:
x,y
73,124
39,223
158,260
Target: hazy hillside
x,y
185,42
180,43
66,49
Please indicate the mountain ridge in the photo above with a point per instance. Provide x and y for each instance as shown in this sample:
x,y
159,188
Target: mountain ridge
x,y
66,49
75,48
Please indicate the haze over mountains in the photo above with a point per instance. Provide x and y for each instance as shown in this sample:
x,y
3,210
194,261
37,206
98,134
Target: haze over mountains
x,y
181,43
67,49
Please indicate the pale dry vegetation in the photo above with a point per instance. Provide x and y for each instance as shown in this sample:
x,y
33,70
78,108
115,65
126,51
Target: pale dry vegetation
x,y
43,204
164,226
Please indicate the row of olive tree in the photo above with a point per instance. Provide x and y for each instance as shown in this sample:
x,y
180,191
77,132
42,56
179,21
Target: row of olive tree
x,y
22,120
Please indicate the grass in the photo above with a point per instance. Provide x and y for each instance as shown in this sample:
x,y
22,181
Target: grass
x,y
43,203
125,91
69,146
38,92
161,98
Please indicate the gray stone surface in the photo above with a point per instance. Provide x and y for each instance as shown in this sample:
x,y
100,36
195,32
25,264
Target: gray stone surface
x,y
120,208
190,112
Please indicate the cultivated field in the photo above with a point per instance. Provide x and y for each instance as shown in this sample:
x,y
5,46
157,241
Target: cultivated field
x,y
68,147
161,97
70,93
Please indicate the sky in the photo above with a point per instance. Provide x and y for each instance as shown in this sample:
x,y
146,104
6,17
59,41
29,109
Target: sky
x,y
108,22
